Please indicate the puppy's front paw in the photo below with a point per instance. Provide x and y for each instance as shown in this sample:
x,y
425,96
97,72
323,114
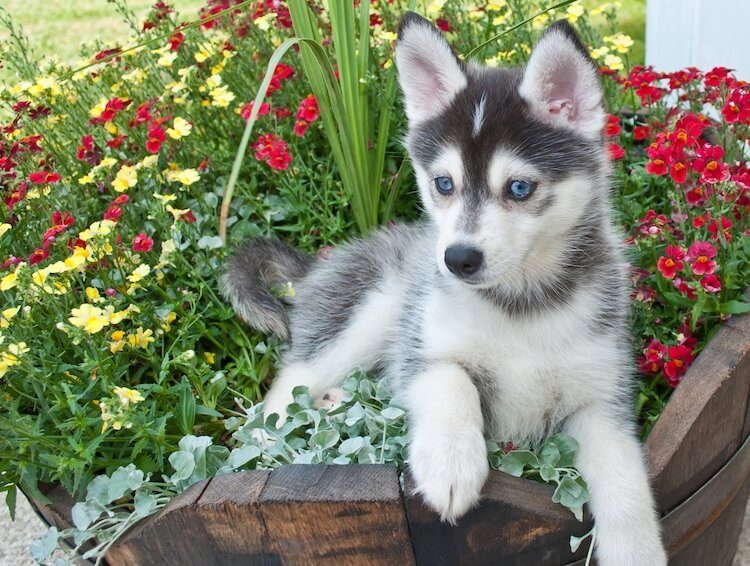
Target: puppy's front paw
x,y
450,469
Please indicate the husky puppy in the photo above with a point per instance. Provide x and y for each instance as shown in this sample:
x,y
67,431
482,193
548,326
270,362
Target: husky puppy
x,y
504,313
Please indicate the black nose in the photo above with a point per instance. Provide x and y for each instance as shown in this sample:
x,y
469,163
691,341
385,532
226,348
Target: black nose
x,y
463,260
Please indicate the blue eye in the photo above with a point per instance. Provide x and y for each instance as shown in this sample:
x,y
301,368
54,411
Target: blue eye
x,y
520,189
444,185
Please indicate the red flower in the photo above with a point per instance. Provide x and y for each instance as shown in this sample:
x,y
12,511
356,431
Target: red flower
x,y
38,255
308,109
175,41
716,76
44,177
188,217
116,141
375,20
679,171
280,157
652,359
700,255
300,127
281,112
641,133
111,109
612,127
113,213
711,283
156,137
726,226
615,151
696,196
142,243
672,262
707,162
680,358
443,25
62,218
265,108
653,224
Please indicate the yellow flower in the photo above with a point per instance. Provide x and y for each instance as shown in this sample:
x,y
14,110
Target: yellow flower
x,y
495,6
117,343
86,179
574,12
265,22
9,358
126,178
166,59
128,396
180,128
187,176
614,62
202,54
97,110
7,315
139,273
221,96
92,295
434,7
141,338
165,198
599,52
210,357
92,319
98,228
4,227
620,42
9,281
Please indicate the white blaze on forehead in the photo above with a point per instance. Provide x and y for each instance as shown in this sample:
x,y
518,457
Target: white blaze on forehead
x,y
479,116
506,165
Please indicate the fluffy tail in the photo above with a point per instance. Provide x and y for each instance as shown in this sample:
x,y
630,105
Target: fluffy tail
x,y
257,267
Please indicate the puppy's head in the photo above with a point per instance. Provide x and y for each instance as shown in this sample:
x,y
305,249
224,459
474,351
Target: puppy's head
x,y
507,160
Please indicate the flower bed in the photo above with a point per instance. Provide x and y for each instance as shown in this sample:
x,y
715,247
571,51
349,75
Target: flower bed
x,y
124,375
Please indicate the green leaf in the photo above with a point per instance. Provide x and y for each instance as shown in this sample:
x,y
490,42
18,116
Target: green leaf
x,y
392,413
10,501
183,464
185,409
351,445
735,307
548,473
549,454
568,447
324,439
241,456
42,548
513,463
144,504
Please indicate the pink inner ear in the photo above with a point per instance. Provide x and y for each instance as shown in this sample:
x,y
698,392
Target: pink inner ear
x,y
560,107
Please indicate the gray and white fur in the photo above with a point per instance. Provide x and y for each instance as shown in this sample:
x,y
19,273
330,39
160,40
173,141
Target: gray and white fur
x,y
505,313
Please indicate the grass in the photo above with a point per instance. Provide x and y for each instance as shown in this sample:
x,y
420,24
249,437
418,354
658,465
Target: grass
x,y
59,27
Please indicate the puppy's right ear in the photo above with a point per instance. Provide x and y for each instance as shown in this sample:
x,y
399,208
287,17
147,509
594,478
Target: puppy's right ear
x,y
429,72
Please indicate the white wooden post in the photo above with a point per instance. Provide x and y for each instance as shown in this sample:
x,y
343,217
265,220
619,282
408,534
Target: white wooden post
x,y
698,33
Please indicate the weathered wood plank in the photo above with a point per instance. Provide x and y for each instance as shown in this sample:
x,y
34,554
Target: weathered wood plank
x,y
704,528
516,523
336,515
215,522
705,420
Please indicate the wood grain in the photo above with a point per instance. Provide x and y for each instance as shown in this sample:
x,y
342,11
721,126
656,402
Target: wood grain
x,y
336,515
515,523
705,420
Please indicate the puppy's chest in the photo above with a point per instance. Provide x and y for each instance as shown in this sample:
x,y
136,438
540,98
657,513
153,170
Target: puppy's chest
x,y
529,374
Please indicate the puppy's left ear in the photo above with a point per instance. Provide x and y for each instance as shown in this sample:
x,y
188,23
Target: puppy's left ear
x,y
561,83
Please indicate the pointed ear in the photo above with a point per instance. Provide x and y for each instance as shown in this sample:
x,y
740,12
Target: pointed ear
x,y
429,72
561,83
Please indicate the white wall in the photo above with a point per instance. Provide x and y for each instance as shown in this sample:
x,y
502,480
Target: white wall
x,y
698,33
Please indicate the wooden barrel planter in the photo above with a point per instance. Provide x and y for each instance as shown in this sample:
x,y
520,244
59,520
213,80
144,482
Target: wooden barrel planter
x,y
360,514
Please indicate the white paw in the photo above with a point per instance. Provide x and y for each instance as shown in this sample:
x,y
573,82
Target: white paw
x,y
450,469
641,545
276,401
332,399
